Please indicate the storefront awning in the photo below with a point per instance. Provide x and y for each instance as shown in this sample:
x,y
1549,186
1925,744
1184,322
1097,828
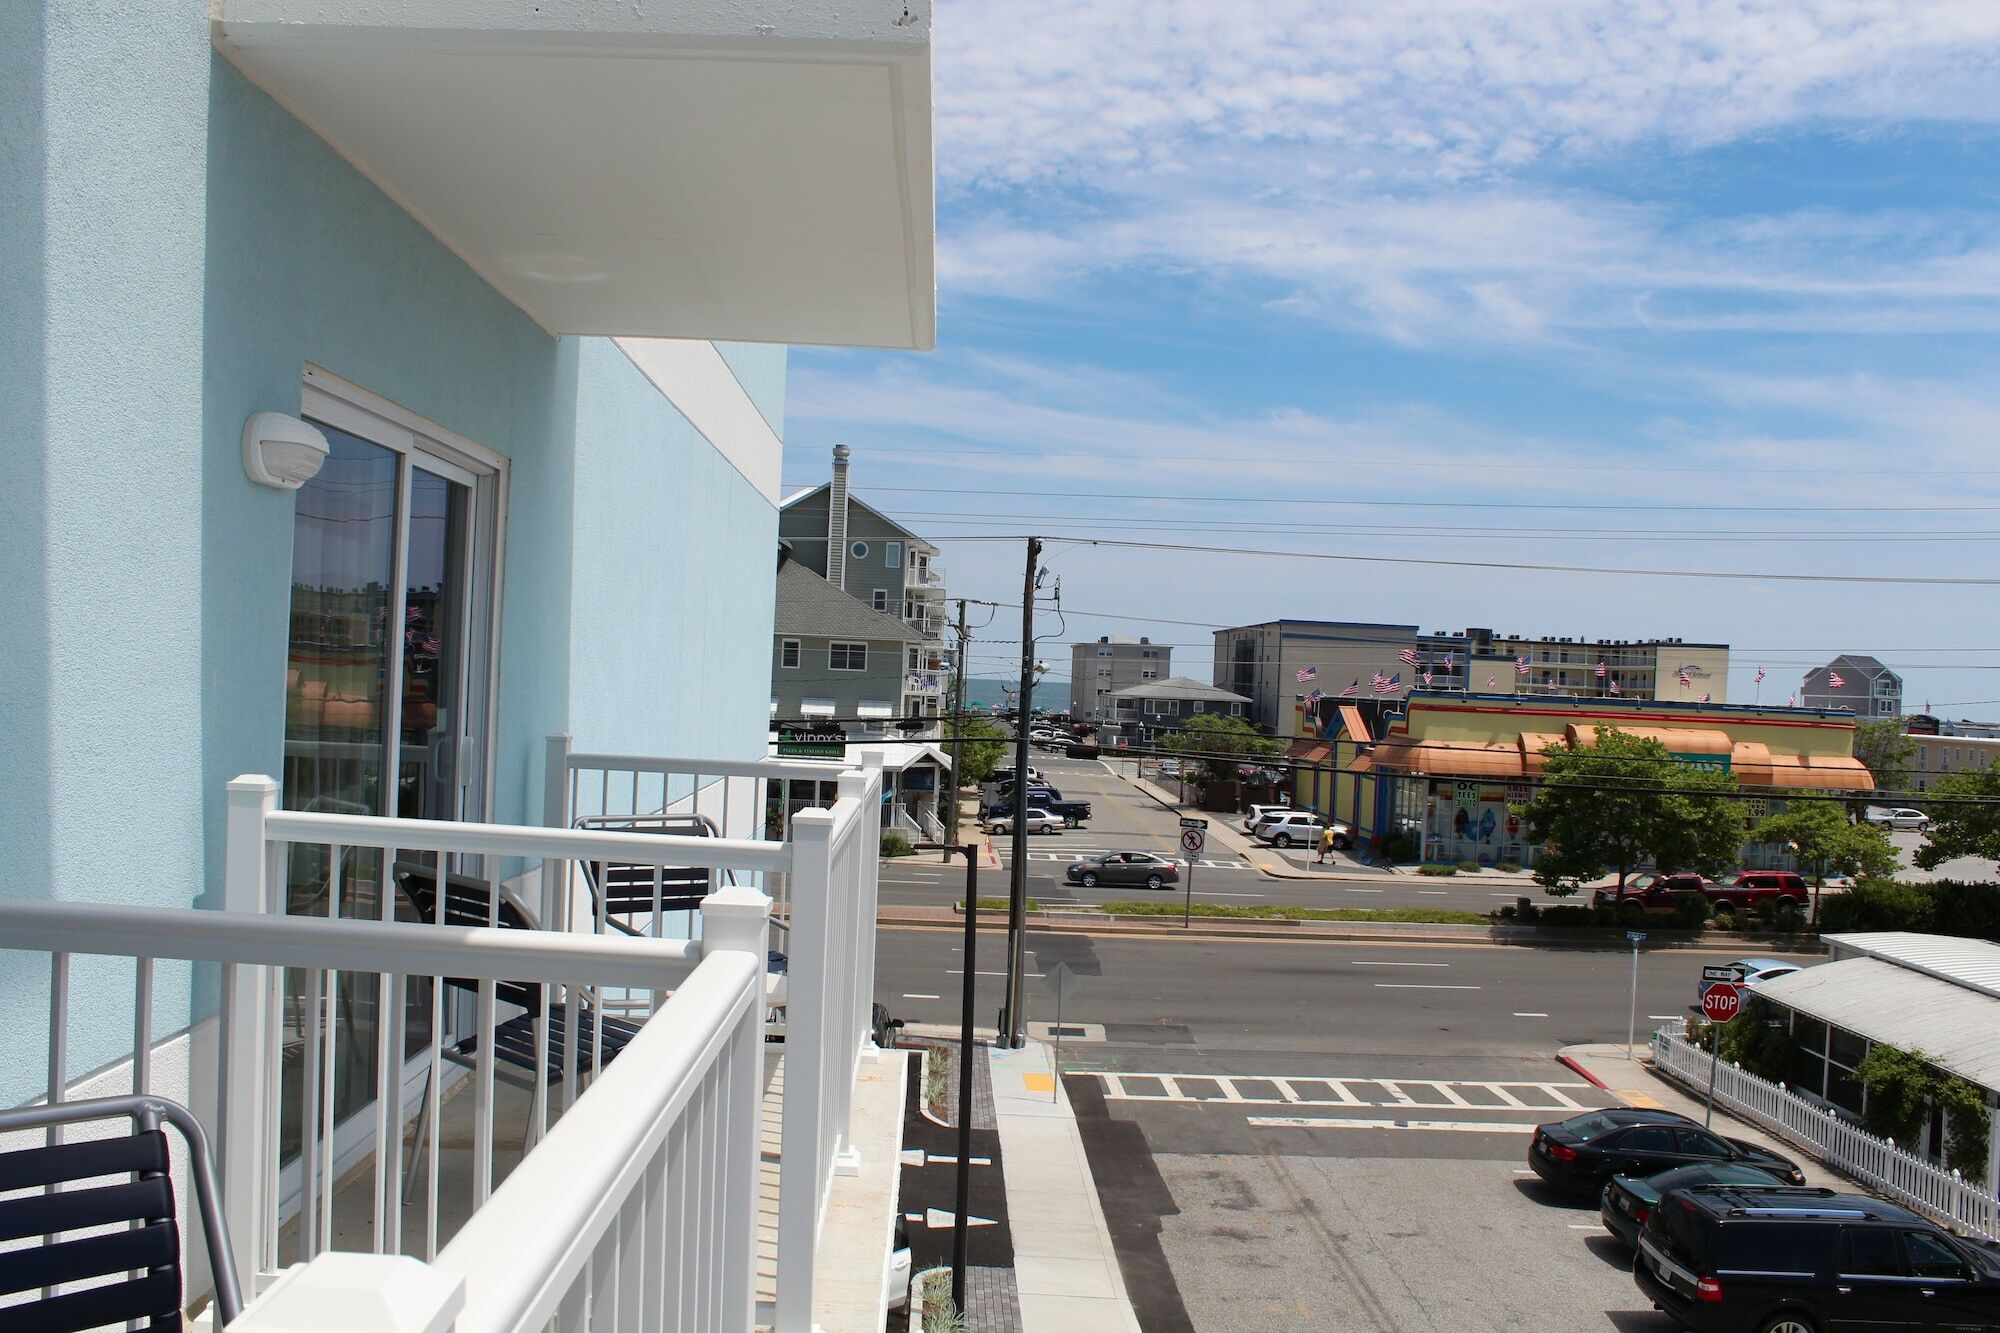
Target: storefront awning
x,y
869,708
1756,766
1956,1028
816,707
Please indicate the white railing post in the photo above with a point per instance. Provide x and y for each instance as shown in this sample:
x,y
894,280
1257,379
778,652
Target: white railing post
x,y
555,814
865,908
859,853
247,1069
739,920
809,1028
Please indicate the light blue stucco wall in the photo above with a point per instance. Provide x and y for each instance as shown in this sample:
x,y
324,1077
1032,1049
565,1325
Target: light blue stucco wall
x,y
177,248
674,599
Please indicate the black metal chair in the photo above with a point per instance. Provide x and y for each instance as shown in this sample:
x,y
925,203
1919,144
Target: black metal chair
x,y
621,890
148,1241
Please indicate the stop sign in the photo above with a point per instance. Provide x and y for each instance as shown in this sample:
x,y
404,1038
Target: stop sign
x,y
1721,1001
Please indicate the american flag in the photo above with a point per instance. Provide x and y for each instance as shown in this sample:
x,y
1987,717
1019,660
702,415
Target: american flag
x,y
1521,666
1427,678
1760,677
1836,680
1408,657
1352,690
1704,698
1490,682
1687,678
1600,671
1791,701
1388,684
1447,660
1307,673
1614,687
1314,698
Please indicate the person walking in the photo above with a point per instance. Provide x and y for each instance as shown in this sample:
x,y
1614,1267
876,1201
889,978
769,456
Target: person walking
x,y
1325,846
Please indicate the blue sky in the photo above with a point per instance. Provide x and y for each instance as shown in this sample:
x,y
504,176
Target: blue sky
x,y
1475,255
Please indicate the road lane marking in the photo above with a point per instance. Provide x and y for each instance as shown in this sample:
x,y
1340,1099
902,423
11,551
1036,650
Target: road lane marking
x,y
1352,890
959,972
1417,985
1531,1015
1432,893
1347,1092
920,997
1390,962
1337,1122
1660,1016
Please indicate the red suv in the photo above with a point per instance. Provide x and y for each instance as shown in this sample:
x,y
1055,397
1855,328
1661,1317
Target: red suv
x,y
1655,895
1765,890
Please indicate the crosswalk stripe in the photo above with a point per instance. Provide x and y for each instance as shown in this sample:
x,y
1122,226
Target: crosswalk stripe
x,y
1345,1091
1337,1122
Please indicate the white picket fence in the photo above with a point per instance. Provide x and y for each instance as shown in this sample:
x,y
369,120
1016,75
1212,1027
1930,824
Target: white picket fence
x,y
1893,1172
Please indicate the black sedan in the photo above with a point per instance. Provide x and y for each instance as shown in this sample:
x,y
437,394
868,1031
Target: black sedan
x,y
1141,868
1579,1154
1627,1201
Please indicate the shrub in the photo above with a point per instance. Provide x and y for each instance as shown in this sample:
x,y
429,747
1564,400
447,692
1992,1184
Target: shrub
x,y
1571,915
1761,1041
1433,868
895,844
1399,847
1878,904
1469,867
1510,867
1970,910
1691,911
1899,1084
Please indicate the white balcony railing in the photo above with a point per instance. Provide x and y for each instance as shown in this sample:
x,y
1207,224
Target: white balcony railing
x,y
320,1041
1878,1163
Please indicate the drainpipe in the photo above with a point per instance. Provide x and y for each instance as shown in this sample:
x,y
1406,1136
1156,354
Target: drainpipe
x,y
836,521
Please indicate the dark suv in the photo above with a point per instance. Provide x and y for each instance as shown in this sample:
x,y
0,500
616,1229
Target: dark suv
x,y
1721,1259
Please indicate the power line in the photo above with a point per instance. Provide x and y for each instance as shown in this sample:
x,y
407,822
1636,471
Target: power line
x,y
1786,507
1894,580
1410,531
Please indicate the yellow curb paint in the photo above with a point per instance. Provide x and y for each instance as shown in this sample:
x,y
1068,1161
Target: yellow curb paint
x,y
1633,1097
1039,1082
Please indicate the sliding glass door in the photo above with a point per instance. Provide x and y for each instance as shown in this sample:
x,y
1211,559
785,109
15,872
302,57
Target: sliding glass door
x,y
388,683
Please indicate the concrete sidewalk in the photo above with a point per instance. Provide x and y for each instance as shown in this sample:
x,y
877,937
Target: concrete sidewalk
x,y
1634,1083
1064,1263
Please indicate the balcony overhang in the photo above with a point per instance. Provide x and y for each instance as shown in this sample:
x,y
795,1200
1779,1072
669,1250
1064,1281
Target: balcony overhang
x,y
745,170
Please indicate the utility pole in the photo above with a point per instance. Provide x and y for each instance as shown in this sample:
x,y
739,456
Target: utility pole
x,y
1013,1029
957,733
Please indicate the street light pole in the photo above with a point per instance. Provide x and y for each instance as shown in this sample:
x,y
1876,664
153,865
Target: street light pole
x,y
957,735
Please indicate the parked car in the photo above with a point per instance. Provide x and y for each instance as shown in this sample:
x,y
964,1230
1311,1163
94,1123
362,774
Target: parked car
x,y
1288,828
1898,817
1257,814
1082,750
1720,1258
1170,768
1155,872
1074,814
1037,821
1762,890
897,1279
1655,895
1756,971
1005,776
1627,1201
1580,1154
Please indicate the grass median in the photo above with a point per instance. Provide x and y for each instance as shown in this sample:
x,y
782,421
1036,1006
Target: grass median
x,y
1421,916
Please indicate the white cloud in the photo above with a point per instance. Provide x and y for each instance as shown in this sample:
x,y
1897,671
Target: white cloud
x,y
1034,90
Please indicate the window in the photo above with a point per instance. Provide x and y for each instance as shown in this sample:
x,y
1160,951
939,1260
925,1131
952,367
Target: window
x,y
847,657
1103,651
1930,1257
788,654
892,554
1648,1138
1700,1143
859,550
882,599
1869,1252
1149,675
915,658
1788,1247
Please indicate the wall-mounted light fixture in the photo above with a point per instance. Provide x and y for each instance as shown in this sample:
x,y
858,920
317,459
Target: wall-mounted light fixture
x,y
281,450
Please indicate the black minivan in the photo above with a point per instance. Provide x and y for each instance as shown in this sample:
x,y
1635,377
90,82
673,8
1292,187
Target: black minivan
x,y
1721,1259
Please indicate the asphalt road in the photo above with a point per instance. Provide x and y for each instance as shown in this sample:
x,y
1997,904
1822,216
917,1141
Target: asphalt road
x,y
1328,1135
1124,819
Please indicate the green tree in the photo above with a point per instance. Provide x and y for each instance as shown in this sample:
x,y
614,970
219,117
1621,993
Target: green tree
x,y
985,744
1230,738
1887,750
1963,830
1623,802
1823,838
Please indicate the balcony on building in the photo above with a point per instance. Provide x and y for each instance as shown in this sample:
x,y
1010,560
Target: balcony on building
x,y
753,173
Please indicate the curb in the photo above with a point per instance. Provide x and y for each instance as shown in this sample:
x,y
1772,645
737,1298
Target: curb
x,y
1576,1067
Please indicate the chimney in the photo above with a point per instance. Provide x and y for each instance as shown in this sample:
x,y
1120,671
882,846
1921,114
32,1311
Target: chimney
x,y
836,521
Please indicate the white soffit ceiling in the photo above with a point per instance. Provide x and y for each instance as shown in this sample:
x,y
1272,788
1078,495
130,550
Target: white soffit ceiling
x,y
745,170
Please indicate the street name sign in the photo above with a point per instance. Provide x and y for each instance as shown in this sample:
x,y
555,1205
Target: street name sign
x,y
1721,1001
1187,822
1635,937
